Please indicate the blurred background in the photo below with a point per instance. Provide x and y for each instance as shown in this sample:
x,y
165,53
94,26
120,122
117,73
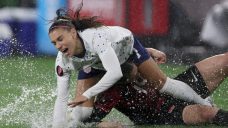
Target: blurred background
x,y
173,26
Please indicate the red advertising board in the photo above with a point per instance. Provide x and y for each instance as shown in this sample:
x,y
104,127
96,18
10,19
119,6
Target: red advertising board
x,y
148,17
111,12
142,17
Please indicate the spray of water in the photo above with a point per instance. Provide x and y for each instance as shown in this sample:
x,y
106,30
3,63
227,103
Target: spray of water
x,y
30,108
31,103
27,88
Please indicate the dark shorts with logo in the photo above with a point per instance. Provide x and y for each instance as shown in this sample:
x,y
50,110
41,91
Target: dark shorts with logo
x,y
171,110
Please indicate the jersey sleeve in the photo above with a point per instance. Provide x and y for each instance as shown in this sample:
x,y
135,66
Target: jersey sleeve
x,y
113,73
110,62
63,78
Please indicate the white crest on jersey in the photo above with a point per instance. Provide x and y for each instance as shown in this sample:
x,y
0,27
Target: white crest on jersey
x,y
87,69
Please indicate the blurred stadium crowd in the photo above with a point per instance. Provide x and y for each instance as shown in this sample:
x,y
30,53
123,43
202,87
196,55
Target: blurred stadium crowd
x,y
186,30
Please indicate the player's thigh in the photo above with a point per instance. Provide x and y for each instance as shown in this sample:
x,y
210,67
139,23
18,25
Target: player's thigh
x,y
213,70
194,79
147,66
87,79
83,85
151,71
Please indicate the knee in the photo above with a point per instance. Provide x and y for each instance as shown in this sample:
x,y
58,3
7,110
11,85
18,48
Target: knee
x,y
224,62
197,114
187,115
206,115
226,56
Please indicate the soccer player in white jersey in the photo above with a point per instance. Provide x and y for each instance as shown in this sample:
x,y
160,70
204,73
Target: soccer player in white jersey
x,y
86,44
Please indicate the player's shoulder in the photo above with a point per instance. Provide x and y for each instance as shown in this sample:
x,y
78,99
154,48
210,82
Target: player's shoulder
x,y
90,33
61,59
63,64
91,36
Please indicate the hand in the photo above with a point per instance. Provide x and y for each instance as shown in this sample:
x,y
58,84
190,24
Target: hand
x,y
159,56
79,100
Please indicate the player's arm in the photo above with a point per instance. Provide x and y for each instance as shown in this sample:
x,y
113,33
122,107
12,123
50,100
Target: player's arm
x,y
85,81
60,107
112,75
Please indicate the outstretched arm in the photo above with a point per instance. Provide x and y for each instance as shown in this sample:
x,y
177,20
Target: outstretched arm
x,y
83,111
60,108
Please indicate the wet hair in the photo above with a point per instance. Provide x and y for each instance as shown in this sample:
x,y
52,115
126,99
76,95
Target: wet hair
x,y
69,19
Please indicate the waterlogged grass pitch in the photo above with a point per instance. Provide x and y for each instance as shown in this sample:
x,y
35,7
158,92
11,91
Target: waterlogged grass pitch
x,y
28,86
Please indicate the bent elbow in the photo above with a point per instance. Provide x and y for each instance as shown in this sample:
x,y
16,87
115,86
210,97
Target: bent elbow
x,y
120,73
117,74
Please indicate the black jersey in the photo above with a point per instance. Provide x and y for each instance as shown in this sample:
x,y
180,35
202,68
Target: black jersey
x,y
144,105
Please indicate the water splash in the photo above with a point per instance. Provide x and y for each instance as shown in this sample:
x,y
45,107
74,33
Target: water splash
x,y
31,108
27,92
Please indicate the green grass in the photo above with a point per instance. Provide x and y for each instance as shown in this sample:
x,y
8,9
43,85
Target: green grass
x,y
27,92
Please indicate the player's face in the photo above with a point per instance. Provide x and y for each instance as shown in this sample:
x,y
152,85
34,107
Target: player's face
x,y
65,40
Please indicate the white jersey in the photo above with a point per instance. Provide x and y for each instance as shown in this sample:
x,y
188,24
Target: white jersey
x,y
106,48
99,44
96,42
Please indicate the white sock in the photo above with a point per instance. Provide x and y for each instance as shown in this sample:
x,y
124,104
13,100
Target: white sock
x,y
80,114
181,90
60,111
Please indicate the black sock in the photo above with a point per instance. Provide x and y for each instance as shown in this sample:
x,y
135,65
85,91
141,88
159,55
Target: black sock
x,y
221,118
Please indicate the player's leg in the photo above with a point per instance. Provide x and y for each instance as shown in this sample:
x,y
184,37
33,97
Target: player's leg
x,y
85,81
151,71
214,70
199,114
83,85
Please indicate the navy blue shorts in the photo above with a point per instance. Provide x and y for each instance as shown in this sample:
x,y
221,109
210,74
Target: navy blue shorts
x,y
139,55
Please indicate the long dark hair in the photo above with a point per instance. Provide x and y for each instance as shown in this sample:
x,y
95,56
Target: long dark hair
x,y
69,18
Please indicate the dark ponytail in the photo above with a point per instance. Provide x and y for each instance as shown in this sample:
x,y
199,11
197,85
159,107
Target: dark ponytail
x,y
69,18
